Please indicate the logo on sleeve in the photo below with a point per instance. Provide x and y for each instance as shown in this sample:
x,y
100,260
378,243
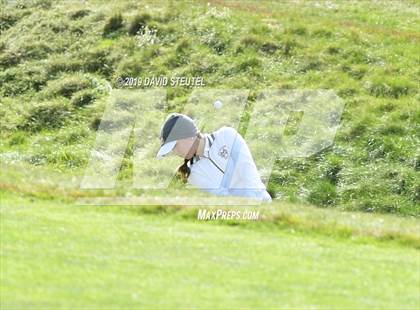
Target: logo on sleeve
x,y
223,152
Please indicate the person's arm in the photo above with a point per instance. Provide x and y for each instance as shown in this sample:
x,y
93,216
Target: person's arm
x,y
246,180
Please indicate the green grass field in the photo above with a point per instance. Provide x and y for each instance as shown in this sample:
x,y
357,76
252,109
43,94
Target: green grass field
x,y
343,231
59,255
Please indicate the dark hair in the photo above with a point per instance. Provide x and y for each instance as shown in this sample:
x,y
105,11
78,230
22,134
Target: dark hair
x,y
183,171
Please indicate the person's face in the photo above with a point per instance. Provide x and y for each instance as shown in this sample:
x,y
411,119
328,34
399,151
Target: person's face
x,y
183,146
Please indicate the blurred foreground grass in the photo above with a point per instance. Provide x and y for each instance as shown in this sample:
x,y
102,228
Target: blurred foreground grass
x,y
55,254
44,185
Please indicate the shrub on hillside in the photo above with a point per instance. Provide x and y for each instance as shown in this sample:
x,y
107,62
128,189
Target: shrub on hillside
x,y
113,24
49,115
183,46
130,67
181,55
299,30
355,71
97,60
251,41
332,170
62,63
18,138
384,86
25,51
357,55
248,63
204,65
171,13
269,47
18,80
323,33
83,97
138,23
287,46
256,43
7,20
69,156
323,194
333,50
311,64
216,40
71,135
79,14
67,85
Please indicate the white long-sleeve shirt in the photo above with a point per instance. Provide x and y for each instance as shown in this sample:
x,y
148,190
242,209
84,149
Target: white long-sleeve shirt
x,y
227,167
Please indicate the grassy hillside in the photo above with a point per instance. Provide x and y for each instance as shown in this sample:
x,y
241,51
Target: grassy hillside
x,y
59,61
57,57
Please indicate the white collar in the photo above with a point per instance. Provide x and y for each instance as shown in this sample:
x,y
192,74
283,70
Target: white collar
x,y
206,145
208,141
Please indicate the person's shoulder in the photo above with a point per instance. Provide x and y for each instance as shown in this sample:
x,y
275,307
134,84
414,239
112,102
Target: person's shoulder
x,y
224,136
226,131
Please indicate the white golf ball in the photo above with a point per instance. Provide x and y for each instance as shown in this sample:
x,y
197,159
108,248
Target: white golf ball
x,y
218,104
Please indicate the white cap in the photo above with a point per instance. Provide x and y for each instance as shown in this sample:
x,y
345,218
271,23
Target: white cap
x,y
165,149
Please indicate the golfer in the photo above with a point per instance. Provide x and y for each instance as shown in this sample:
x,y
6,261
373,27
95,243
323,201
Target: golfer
x,y
219,163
